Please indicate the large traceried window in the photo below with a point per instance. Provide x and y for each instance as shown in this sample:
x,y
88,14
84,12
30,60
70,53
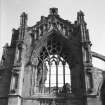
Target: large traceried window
x,y
58,74
53,70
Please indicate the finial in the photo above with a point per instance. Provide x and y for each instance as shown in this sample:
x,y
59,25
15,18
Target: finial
x,y
81,13
23,14
54,11
80,16
23,19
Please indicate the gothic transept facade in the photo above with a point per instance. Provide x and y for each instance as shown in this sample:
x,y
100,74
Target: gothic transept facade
x,y
50,63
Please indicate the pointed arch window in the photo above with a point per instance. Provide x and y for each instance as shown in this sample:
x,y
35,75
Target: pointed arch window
x,y
58,74
53,70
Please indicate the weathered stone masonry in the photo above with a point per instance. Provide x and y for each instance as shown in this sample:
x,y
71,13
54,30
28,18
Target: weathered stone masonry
x,y
49,63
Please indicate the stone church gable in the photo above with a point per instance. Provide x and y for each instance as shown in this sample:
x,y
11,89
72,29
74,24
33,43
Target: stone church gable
x,y
50,63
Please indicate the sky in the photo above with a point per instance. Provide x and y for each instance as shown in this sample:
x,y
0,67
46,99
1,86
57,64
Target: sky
x,y
94,10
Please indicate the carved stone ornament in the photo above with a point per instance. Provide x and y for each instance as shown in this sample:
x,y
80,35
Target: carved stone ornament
x,y
34,58
34,61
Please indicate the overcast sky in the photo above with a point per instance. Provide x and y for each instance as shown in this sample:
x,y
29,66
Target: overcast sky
x,y
94,10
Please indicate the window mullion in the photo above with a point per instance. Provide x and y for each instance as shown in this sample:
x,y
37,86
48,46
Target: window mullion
x,y
56,63
43,78
63,72
49,76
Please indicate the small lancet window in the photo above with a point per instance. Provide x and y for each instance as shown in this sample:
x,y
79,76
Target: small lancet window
x,y
18,54
14,83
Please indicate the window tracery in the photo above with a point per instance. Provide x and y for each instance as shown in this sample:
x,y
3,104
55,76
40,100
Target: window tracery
x,y
53,72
